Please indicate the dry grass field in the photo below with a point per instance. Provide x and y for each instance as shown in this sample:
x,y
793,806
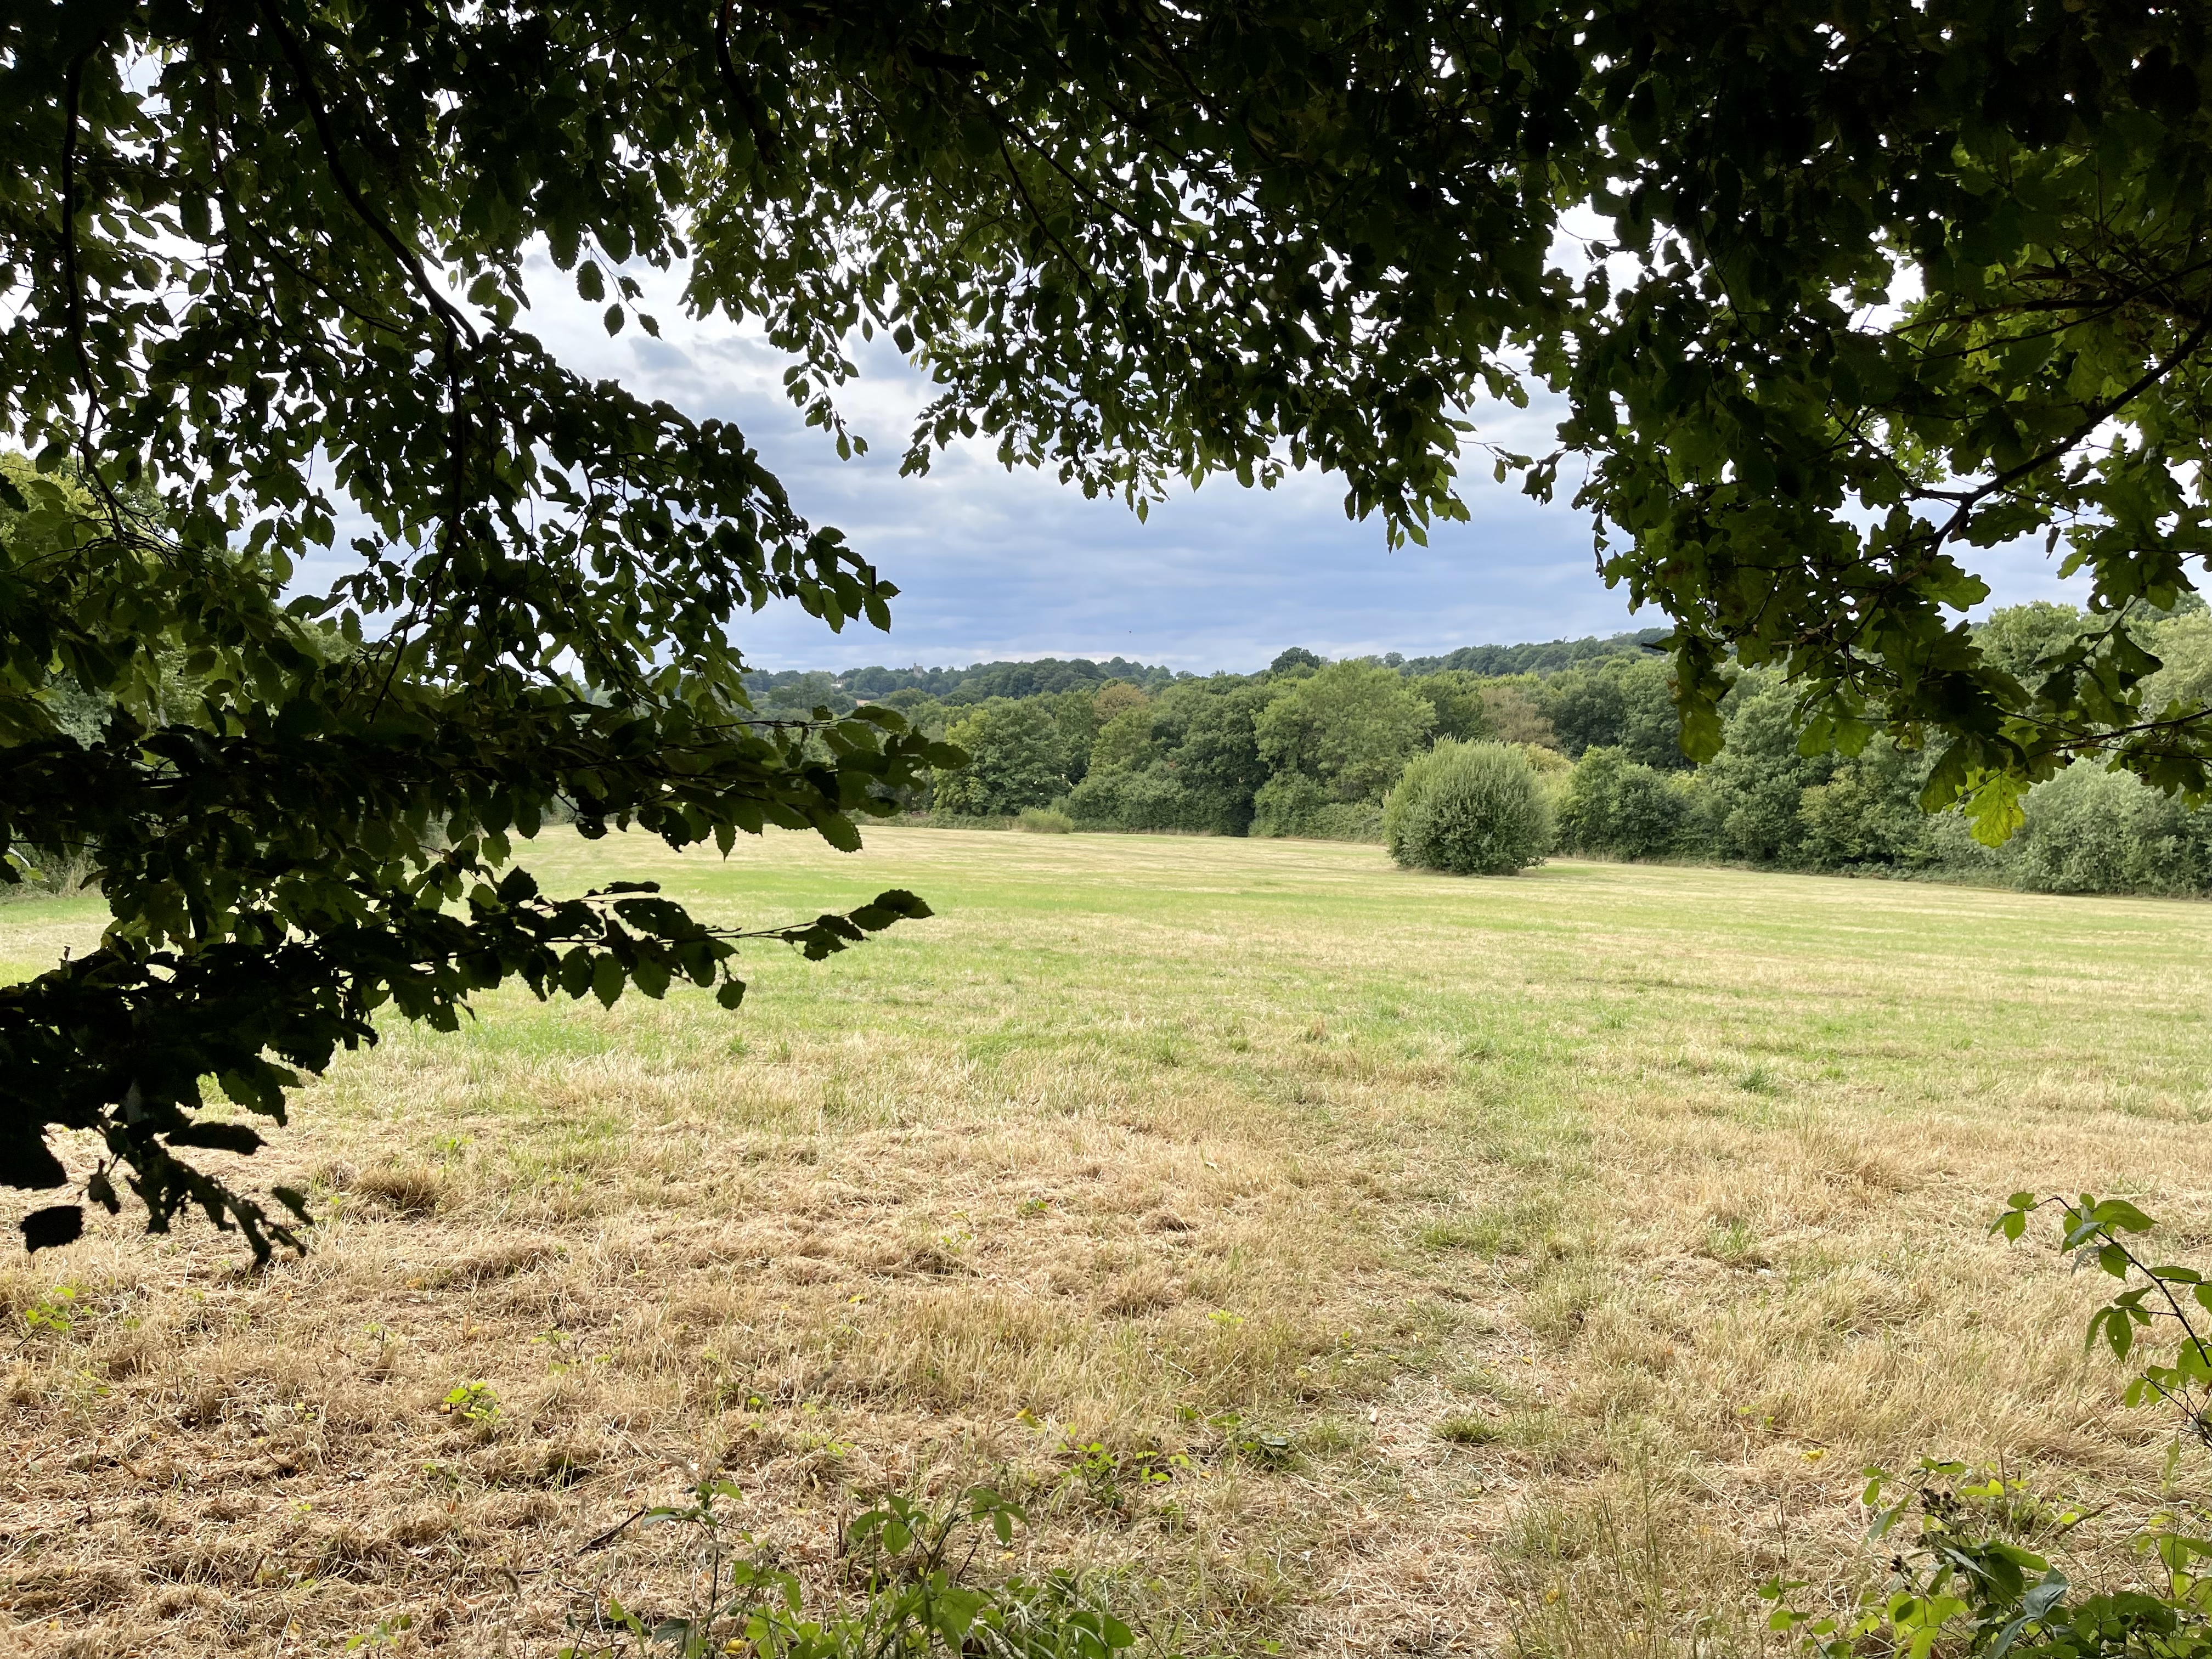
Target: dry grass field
x,y
1528,1260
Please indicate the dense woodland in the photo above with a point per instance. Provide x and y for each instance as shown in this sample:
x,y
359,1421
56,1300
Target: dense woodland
x,y
1311,748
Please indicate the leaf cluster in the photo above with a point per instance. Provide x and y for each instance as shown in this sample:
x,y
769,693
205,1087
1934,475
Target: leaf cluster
x,y
1961,1580
2093,1230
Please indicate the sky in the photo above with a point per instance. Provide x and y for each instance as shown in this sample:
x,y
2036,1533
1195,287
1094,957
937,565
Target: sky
x,y
996,565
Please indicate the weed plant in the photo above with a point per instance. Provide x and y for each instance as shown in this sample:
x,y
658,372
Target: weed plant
x,y
911,1591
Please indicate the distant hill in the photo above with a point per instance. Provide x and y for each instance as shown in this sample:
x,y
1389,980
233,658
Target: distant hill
x,y
1547,658
804,688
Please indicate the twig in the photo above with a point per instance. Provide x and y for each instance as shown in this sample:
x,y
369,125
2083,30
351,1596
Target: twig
x,y
610,1534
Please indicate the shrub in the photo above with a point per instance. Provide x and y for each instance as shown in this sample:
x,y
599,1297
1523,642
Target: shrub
x,y
1292,804
907,1590
1623,808
1346,821
1285,805
1153,799
1468,809
1044,821
2094,832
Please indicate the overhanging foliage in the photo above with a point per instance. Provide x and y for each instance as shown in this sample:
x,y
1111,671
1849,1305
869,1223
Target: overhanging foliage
x,y
264,270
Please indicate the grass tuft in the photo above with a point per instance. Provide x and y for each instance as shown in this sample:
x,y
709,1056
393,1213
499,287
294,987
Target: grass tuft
x,y
1468,1429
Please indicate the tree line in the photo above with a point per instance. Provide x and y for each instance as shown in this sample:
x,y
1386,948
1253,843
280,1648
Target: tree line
x,y
800,691
1311,748
804,690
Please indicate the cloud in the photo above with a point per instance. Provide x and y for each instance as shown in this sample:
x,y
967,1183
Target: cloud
x,y
997,564
992,563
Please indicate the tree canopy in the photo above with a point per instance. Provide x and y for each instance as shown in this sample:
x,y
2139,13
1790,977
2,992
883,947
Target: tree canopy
x,y
1909,281
1836,293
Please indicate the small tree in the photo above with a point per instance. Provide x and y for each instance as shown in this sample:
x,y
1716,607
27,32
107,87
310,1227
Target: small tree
x,y
1512,716
1622,808
1469,809
1350,725
2094,830
1117,697
1016,759
1456,698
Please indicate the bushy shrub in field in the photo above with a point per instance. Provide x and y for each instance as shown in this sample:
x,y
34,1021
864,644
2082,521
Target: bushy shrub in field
x,y
1468,809
1623,809
1044,821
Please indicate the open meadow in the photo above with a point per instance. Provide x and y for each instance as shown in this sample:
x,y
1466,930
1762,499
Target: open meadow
x,y
1360,1261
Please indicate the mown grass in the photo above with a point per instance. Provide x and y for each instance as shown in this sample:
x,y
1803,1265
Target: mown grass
x,y
1530,1259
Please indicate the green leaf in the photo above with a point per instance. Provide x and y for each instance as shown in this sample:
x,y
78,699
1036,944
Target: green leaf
x,y
607,980
221,1137
576,972
2118,1212
1994,809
